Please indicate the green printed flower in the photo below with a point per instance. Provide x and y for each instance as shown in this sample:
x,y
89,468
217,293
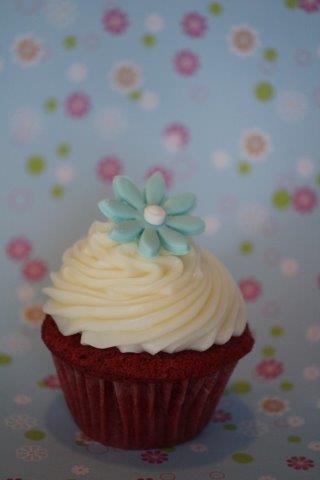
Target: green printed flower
x,y
246,248
63,149
215,8
5,359
270,54
244,168
291,4
70,42
148,40
241,457
135,95
264,91
57,191
150,217
35,165
281,199
51,105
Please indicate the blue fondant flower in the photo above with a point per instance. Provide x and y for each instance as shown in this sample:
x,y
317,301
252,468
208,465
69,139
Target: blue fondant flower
x,y
150,217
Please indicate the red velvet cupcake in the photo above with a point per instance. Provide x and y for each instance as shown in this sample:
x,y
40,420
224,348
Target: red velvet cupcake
x,y
145,328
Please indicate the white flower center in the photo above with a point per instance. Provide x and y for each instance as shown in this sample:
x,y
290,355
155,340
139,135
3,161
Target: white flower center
x,y
154,214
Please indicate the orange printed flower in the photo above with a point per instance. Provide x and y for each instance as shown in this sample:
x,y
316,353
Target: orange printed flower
x,y
27,50
125,77
243,40
274,406
34,315
255,145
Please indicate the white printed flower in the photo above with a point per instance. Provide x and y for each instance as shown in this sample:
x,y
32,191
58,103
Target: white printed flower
x,y
311,372
314,446
110,123
289,267
149,100
125,76
25,125
198,447
292,106
31,453
20,421
15,343
243,40
25,293
61,13
305,167
80,470
253,428
154,23
77,72
255,145
64,174
213,225
22,399
252,218
220,159
313,333
27,50
295,421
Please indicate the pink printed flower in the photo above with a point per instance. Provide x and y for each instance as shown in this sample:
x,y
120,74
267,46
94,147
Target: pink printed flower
x,y
176,136
194,25
18,248
34,270
221,416
186,62
309,6
250,288
269,369
167,174
77,105
300,463
51,381
115,21
154,456
108,167
304,200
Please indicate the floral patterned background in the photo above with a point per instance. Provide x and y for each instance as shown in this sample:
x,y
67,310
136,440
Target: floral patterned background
x,y
223,98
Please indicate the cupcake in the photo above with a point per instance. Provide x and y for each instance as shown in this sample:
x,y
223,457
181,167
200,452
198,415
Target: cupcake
x,y
145,328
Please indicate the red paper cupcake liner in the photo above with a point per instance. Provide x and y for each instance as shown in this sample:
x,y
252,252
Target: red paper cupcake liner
x,y
136,414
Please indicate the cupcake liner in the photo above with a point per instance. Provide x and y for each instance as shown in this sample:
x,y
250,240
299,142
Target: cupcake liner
x,y
132,414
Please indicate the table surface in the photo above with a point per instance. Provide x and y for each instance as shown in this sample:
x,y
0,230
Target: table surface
x,y
224,97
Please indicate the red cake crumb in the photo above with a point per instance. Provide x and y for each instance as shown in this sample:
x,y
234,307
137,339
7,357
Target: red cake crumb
x,y
110,363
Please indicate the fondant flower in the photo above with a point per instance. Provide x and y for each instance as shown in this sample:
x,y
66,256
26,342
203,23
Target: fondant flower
x,y
150,217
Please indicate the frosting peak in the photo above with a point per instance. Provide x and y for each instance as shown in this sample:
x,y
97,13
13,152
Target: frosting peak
x,y
114,296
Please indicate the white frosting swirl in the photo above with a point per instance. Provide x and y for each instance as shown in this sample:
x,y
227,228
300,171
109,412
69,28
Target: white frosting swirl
x,y
115,297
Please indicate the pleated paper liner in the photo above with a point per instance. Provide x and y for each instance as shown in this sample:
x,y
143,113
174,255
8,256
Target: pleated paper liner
x,y
138,400
141,415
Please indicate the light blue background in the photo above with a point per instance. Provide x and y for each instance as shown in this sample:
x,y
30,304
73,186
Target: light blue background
x,y
217,123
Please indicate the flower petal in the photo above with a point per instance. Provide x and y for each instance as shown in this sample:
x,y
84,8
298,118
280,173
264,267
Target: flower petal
x,y
149,243
155,189
126,190
186,224
117,211
126,231
180,204
173,241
